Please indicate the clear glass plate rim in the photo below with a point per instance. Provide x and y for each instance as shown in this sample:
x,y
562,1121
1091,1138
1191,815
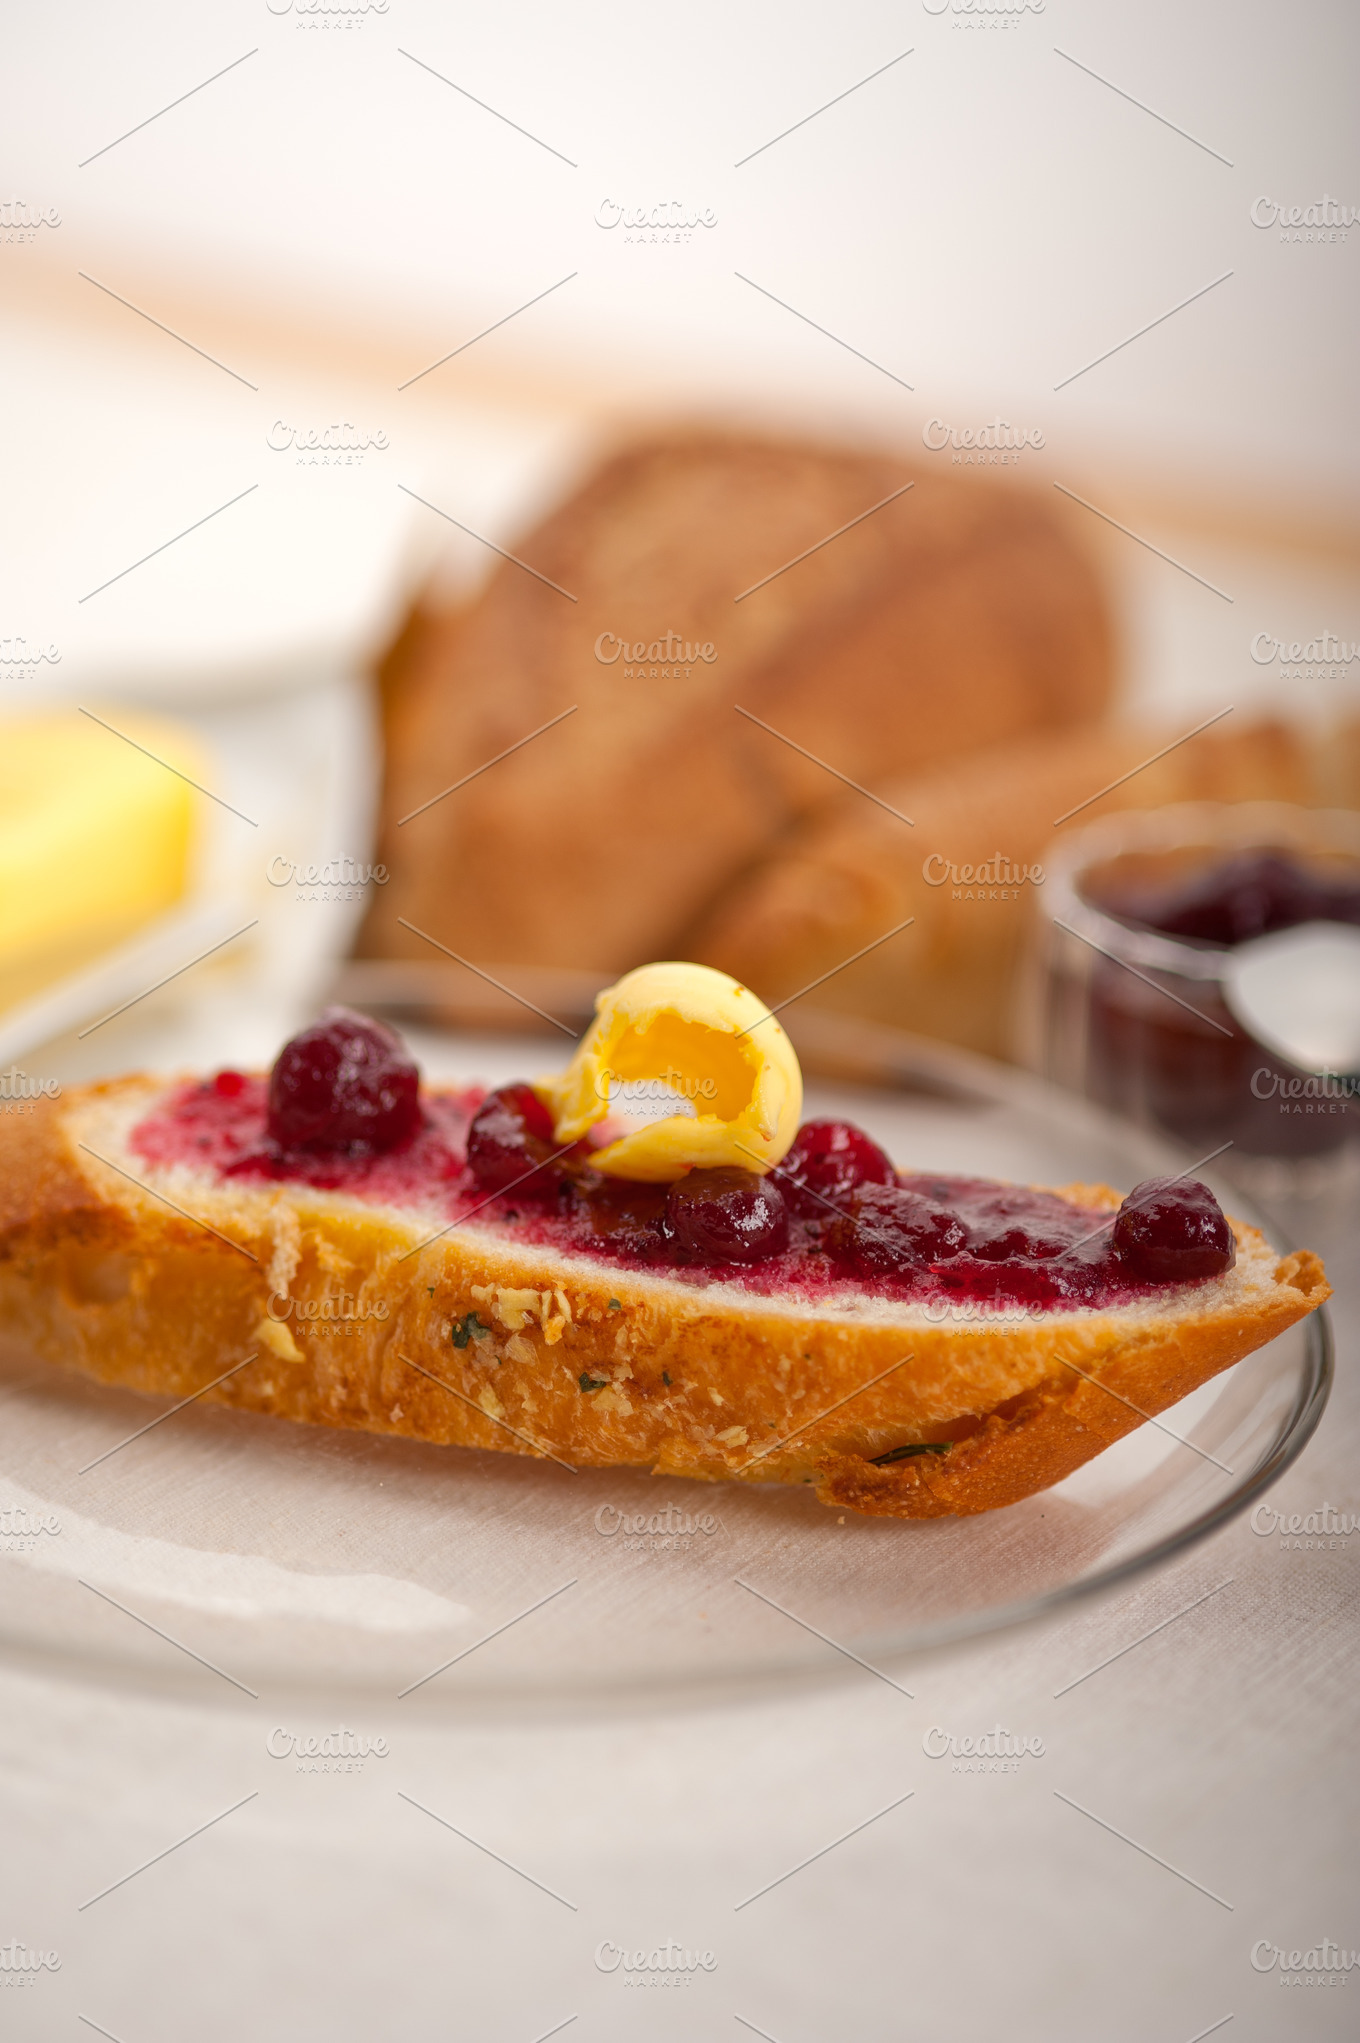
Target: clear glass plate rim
x,y
1316,1375
902,1059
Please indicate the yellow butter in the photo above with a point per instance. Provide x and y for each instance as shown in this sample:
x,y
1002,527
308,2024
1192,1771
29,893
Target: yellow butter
x,y
94,838
705,1037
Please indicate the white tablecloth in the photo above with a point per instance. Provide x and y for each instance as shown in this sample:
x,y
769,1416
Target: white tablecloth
x,y
988,223
991,1902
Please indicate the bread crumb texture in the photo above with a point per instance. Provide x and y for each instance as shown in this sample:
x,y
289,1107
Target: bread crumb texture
x,y
566,1358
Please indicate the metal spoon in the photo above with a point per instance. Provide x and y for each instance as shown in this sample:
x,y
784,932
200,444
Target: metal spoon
x,y
1298,993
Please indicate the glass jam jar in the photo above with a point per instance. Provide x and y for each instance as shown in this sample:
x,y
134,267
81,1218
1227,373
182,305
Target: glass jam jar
x,y
1136,1017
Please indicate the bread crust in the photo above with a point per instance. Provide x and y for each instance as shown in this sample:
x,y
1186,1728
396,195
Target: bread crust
x,y
955,610
826,892
569,1357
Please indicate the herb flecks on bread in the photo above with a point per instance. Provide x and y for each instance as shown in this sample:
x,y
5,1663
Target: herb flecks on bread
x,y
910,1345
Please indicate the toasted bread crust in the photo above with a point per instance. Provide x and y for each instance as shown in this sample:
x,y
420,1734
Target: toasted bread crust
x,y
853,871
569,1357
959,608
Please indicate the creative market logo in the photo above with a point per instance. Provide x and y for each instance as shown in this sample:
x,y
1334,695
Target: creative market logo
x,y
21,1529
1325,220
20,1965
328,13
337,879
980,1315
669,1092
1324,1092
1323,658
997,445
1321,1965
654,1531
984,13
668,221
19,1094
336,446
24,659
669,1964
338,1751
339,1313
21,222
996,1751
1322,1530
671,658
997,878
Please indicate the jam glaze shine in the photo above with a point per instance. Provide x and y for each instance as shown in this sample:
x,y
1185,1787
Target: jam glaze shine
x,y
1197,1071
956,1244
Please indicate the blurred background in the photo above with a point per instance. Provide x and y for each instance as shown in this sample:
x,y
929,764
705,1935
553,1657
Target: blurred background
x,y
312,312
233,470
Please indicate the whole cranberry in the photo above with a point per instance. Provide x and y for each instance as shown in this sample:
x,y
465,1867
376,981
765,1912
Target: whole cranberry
x,y
727,1216
828,1162
1172,1231
344,1084
894,1230
511,1132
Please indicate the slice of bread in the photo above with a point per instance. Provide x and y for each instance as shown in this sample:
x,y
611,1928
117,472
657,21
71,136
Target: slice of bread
x,y
384,1318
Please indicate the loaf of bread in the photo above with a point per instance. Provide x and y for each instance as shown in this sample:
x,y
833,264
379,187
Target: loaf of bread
x,y
160,1279
968,868
958,614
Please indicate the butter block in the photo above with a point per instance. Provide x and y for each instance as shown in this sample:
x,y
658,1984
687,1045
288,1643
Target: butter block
x,y
95,838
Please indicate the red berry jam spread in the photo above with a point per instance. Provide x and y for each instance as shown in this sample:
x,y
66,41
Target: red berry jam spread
x,y
1251,894
833,1216
222,1126
1187,1062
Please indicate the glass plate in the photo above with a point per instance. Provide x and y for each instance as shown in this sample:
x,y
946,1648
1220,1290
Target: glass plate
x,y
225,1547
